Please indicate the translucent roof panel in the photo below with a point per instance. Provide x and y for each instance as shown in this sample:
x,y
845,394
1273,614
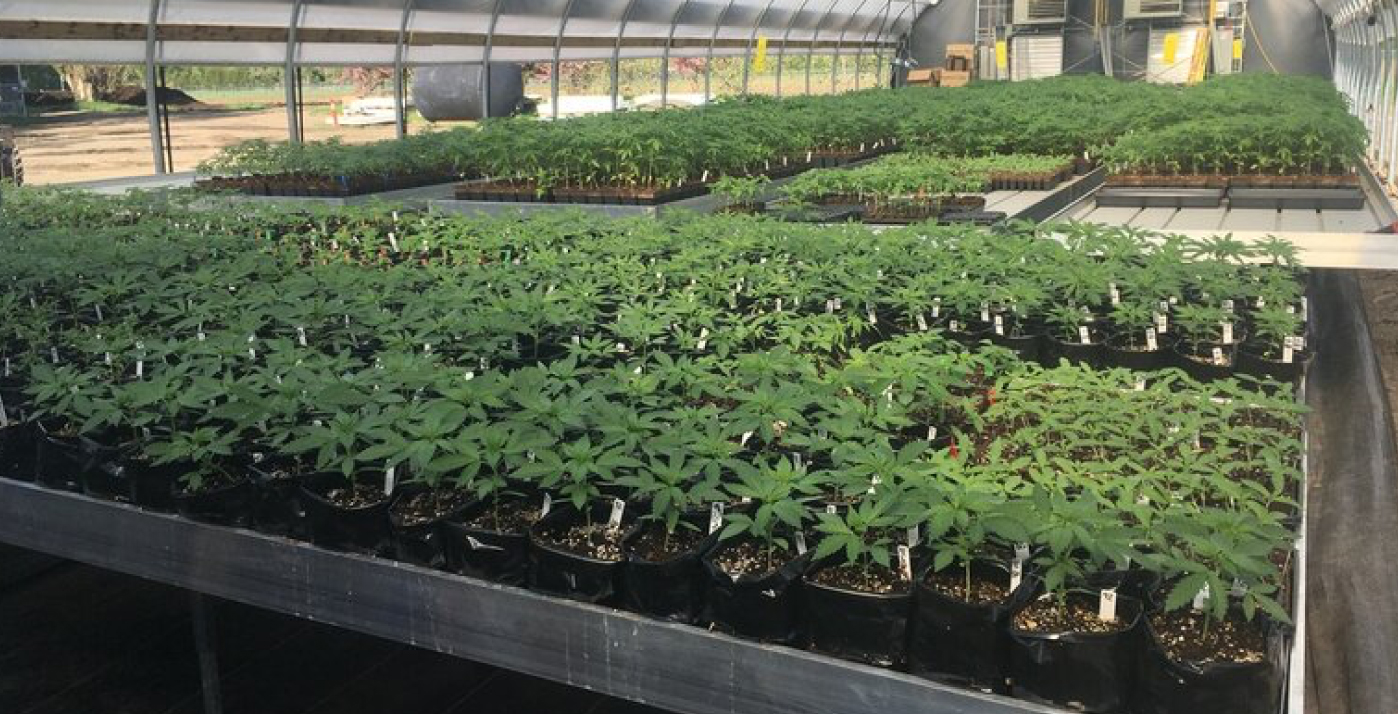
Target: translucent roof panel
x,y
367,32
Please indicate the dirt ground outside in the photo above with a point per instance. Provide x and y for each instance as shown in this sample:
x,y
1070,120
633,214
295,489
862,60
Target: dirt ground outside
x,y
64,148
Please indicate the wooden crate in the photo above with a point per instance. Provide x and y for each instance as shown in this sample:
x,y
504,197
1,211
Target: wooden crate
x,y
955,78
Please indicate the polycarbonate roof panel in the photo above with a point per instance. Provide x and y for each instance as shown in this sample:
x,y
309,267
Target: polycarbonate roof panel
x,y
362,32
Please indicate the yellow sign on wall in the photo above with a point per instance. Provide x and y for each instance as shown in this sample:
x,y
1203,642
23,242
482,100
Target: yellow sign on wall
x,y
1002,55
1172,45
1237,49
759,60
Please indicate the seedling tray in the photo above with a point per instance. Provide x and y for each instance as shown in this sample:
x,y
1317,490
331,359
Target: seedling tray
x,y
1161,197
1300,198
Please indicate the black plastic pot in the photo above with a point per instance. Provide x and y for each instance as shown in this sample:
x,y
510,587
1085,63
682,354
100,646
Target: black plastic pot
x,y
669,590
1085,671
865,627
363,530
1054,349
486,554
1115,353
962,642
1026,347
969,333
420,543
276,506
150,486
760,607
1196,360
230,505
17,448
561,572
1252,362
1166,686
59,461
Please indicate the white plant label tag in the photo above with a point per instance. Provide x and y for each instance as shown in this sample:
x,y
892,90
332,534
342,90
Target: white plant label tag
x,y
393,241
936,308
1021,552
7,366
97,307
1106,606
618,510
1083,335
779,304
839,304
921,323
873,319
1218,356
1016,574
106,359
746,436
829,307
1288,354
985,314
905,562
703,338
1227,333
390,475
548,505
914,536
715,517
830,508
1140,384
931,433
704,178
1305,304
1201,598
954,326
301,336
1151,343
808,156
1228,305
53,354
4,417
140,368
1115,294
800,543
1162,323
1000,325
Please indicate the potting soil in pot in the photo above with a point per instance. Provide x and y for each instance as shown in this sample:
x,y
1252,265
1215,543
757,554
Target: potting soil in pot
x,y
662,573
857,613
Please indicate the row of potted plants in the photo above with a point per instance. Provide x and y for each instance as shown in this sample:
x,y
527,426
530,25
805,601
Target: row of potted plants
x,y
1226,125
248,367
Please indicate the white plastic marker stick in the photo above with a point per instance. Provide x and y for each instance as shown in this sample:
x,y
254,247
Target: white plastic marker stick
x,y
393,241
1227,333
954,326
1083,335
390,475
1218,356
140,369
1000,325
1021,552
800,543
1201,598
97,307
936,308
931,433
1106,606
301,336
1288,351
703,338
548,506
715,517
746,435
914,536
921,323
1162,323
873,319
905,562
1116,294
1016,574
1228,305
830,508
1151,343
4,417
618,510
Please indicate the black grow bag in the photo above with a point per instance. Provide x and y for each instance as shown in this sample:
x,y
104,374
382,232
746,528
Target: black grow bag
x,y
229,505
961,642
1115,353
760,607
150,486
276,504
1254,363
420,543
1025,347
59,461
17,447
865,627
482,553
363,530
1165,686
1086,671
669,590
562,572
1054,349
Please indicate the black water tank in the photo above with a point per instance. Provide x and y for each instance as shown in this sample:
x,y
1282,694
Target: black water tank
x,y
453,91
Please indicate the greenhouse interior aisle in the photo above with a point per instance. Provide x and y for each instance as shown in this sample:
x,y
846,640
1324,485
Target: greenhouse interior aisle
x,y
81,640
